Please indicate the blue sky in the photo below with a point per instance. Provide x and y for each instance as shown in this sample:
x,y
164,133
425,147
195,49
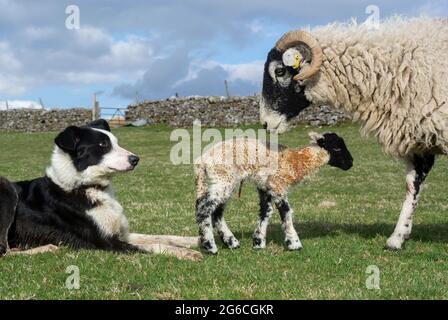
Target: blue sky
x,y
153,49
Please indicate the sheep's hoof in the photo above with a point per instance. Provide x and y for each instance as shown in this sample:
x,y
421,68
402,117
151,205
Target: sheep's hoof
x,y
293,245
394,243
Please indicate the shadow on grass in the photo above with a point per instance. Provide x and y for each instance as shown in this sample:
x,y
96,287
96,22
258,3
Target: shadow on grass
x,y
317,229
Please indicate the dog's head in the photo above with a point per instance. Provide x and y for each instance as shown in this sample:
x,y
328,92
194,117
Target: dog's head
x,y
89,155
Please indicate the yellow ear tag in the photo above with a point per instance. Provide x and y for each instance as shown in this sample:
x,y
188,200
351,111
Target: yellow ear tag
x,y
296,64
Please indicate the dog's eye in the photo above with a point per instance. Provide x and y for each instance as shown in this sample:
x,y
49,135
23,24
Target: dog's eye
x,y
337,149
280,72
103,144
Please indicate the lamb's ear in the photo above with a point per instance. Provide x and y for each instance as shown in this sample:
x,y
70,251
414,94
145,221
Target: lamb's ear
x,y
314,137
99,124
68,139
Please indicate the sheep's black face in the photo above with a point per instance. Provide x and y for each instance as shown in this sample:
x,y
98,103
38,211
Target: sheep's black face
x,y
282,97
340,157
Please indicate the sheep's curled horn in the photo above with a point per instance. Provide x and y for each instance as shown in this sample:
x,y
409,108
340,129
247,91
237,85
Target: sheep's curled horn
x,y
294,38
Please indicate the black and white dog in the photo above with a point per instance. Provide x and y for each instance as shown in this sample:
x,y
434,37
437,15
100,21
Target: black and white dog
x,y
73,204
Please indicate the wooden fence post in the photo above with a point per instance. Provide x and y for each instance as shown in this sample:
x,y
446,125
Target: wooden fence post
x,y
227,88
95,108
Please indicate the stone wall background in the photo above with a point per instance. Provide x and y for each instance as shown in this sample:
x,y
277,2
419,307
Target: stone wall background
x,y
222,112
176,112
32,120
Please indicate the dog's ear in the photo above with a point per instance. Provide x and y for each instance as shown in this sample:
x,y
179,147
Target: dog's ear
x,y
68,139
99,124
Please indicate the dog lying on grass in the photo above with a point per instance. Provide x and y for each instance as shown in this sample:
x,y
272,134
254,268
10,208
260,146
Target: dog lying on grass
x,y
74,204
225,165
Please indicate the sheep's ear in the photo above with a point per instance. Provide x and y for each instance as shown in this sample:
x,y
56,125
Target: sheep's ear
x,y
314,137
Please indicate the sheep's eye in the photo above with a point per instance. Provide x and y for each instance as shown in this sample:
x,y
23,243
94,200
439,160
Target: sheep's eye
x,y
280,72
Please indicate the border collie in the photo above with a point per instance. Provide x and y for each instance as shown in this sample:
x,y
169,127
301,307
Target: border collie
x,y
73,204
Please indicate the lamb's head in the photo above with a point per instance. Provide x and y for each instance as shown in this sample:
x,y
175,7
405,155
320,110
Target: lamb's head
x,y
295,58
340,157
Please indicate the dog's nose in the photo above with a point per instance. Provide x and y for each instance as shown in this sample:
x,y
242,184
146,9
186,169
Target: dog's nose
x,y
265,125
133,160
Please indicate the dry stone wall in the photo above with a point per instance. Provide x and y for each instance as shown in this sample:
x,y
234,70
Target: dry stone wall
x,y
176,112
32,120
220,111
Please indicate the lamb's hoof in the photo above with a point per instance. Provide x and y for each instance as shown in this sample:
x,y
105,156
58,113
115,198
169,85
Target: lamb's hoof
x,y
209,247
293,245
258,243
394,243
232,243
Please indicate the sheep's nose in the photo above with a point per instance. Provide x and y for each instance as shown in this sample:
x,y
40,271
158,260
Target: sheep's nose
x,y
133,160
265,125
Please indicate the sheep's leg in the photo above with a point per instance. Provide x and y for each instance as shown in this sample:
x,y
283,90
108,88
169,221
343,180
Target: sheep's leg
x,y
259,237
417,170
292,240
224,232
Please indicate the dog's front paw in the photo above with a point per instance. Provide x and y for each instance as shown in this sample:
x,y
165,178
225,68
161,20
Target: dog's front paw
x,y
3,249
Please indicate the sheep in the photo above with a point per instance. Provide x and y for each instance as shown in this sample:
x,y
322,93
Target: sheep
x,y
393,80
273,168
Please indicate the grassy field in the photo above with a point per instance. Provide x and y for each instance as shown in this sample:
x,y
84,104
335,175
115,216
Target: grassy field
x,y
340,241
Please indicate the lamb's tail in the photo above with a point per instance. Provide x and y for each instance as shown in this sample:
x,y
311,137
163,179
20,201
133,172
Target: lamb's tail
x,y
200,173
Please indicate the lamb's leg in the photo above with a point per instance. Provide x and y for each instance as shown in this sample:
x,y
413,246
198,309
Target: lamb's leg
x,y
417,170
224,232
8,204
259,237
205,206
292,240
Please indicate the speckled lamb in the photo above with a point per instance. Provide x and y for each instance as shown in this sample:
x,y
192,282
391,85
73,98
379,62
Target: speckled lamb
x,y
273,168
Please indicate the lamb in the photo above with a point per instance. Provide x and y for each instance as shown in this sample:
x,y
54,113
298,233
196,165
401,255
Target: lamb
x,y
273,168
393,80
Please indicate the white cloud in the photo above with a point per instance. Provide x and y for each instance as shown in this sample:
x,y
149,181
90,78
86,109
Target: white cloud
x,y
134,52
252,71
8,62
255,26
20,104
38,33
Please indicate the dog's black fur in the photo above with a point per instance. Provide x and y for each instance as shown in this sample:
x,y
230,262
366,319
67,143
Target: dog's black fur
x,y
41,212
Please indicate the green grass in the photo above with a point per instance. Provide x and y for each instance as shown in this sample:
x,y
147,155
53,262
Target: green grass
x,y
339,242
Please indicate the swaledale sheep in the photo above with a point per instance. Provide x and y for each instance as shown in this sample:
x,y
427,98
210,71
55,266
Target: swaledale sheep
x,y
393,80
273,169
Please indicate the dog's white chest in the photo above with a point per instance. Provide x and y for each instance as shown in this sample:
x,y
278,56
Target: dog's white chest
x,y
108,213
